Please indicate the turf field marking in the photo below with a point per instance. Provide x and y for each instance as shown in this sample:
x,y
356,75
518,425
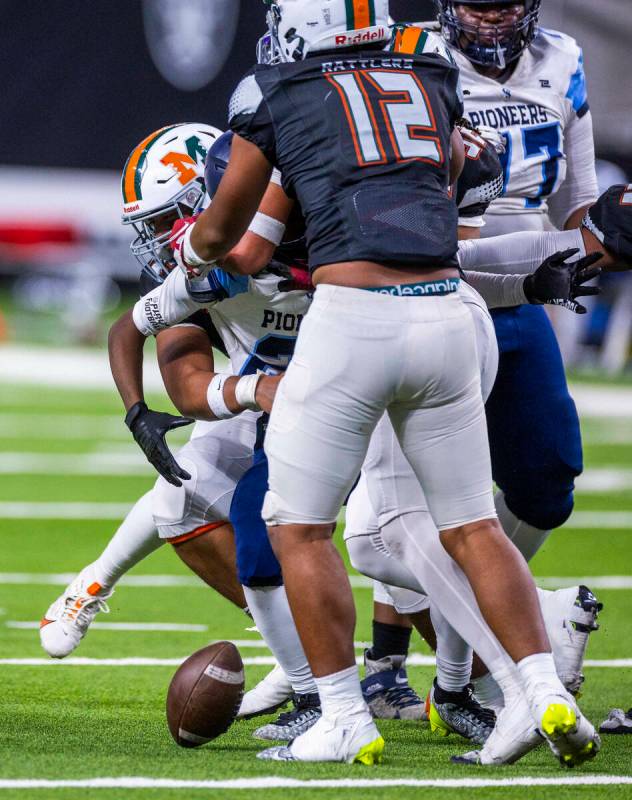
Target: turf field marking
x,y
327,783
581,520
413,660
255,644
615,582
145,581
35,510
128,462
131,626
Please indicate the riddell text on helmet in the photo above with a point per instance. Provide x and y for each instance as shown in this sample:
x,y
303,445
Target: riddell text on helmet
x,y
371,35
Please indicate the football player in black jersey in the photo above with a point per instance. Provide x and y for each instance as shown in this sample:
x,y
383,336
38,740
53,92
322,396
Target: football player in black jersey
x,y
366,143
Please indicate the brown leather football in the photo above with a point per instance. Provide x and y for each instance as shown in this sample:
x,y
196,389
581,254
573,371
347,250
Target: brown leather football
x,y
204,694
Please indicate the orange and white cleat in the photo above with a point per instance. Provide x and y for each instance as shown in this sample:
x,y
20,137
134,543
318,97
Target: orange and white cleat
x,y
67,620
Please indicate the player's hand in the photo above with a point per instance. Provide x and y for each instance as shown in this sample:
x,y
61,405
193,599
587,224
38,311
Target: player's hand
x,y
299,279
558,283
149,429
181,228
266,391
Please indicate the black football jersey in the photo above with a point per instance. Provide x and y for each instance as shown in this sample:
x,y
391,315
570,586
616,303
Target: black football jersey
x,y
481,180
363,143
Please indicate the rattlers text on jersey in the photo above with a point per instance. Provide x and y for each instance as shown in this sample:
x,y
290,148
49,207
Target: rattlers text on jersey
x,y
542,112
257,323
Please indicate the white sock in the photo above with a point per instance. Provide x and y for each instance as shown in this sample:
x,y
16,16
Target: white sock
x,y
526,538
271,612
488,692
538,675
454,655
135,539
508,681
340,693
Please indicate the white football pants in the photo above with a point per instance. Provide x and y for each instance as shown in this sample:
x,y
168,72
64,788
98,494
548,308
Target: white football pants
x,y
359,354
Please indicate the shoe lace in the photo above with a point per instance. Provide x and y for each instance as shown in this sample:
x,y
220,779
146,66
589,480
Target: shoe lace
x,y
402,696
475,710
304,708
80,609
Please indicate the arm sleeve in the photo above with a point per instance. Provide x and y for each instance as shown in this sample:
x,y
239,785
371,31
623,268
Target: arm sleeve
x,y
498,290
580,186
517,253
164,306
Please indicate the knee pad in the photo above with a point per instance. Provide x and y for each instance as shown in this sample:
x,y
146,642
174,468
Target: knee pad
x,y
369,561
171,506
543,500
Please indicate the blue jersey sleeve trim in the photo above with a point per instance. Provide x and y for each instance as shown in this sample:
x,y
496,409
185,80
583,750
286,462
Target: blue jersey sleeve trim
x,y
226,285
577,93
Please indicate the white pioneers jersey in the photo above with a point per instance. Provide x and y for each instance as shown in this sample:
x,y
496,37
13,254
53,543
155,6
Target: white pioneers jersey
x,y
542,113
257,323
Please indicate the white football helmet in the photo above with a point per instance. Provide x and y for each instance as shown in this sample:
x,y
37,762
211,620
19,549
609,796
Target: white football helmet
x,y
163,179
299,27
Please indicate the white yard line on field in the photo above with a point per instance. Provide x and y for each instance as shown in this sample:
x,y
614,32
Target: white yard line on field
x,y
273,782
256,644
413,660
60,510
610,520
617,582
131,462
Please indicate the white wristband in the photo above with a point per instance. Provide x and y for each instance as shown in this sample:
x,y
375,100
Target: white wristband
x,y
215,398
275,178
245,392
188,253
268,228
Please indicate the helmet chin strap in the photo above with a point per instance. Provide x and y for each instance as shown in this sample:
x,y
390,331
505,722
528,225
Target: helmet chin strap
x,y
500,55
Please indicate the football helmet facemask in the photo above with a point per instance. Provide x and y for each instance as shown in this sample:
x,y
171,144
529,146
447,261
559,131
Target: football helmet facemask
x,y
490,46
163,179
300,27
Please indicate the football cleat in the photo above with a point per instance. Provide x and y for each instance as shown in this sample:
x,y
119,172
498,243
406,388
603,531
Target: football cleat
x,y
571,737
387,692
348,739
570,616
270,694
513,736
67,620
461,713
290,724
617,721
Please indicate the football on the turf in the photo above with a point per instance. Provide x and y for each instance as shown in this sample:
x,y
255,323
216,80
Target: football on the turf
x,y
204,694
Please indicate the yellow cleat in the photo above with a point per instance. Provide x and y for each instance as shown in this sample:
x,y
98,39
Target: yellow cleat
x,y
371,753
558,720
437,725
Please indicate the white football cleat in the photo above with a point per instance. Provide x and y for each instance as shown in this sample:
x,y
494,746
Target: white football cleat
x,y
571,737
67,620
514,735
270,694
570,616
348,739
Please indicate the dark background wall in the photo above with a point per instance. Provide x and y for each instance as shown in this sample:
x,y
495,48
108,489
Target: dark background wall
x,y
80,89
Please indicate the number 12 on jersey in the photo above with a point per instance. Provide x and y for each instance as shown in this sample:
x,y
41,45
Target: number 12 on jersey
x,y
383,105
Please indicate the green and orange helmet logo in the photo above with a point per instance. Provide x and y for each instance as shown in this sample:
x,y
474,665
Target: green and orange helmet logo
x,y
184,165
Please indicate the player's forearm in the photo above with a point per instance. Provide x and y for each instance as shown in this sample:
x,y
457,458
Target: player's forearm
x,y
125,349
517,253
498,291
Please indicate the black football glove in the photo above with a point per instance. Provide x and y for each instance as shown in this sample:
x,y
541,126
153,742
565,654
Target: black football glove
x,y
149,429
555,282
